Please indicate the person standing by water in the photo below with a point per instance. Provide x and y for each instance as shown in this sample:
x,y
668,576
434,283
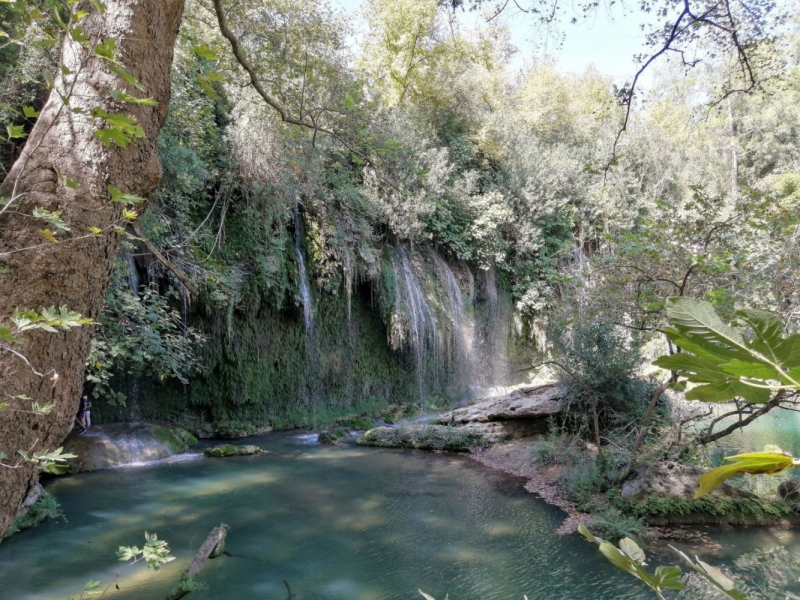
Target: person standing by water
x,y
83,419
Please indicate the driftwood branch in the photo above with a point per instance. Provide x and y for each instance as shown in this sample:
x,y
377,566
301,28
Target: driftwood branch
x,y
164,261
211,548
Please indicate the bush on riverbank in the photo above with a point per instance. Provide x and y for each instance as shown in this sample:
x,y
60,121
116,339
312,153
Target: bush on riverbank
x,y
44,509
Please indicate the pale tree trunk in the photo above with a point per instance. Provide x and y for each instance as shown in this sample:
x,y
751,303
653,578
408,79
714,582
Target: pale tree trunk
x,y
74,274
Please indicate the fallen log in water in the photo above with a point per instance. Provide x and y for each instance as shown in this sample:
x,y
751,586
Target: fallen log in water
x,y
211,548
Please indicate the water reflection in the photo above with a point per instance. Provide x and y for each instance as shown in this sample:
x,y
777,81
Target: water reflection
x,y
336,523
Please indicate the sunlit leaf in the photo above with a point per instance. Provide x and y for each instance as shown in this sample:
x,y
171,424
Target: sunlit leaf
x,y
754,463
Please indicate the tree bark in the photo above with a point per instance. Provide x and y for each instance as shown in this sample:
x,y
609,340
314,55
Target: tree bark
x,y
74,274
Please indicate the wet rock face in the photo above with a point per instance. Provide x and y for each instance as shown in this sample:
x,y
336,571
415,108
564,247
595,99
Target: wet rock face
x,y
112,445
526,403
675,480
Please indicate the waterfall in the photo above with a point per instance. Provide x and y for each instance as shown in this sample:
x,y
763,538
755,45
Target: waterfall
x,y
422,324
305,288
497,331
463,326
133,274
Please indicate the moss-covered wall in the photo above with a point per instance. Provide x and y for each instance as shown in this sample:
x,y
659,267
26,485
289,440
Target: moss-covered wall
x,y
262,367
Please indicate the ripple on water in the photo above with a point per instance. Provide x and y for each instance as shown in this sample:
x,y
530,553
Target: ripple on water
x,y
336,523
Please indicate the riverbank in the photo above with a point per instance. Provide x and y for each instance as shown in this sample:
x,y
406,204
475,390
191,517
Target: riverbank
x,y
514,458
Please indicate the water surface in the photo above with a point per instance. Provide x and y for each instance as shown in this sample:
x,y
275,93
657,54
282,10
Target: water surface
x,y
335,523
345,523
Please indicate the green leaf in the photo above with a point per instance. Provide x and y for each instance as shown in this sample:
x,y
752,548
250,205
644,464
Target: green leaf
x,y
694,318
29,112
204,51
118,195
754,463
121,96
125,76
728,390
7,335
107,136
716,577
16,131
632,549
668,577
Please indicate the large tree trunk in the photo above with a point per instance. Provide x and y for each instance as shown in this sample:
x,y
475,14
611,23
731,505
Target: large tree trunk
x,y
74,274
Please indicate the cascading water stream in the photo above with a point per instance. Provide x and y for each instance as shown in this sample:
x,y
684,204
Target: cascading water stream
x,y
463,325
422,323
133,274
305,288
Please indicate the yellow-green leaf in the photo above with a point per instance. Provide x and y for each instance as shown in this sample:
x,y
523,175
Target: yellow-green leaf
x,y
754,463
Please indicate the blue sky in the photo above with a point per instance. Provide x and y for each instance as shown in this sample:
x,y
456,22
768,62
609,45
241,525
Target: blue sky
x,y
606,41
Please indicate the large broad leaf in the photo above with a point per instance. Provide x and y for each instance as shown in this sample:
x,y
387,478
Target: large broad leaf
x,y
630,557
697,319
698,369
716,577
770,462
728,390
726,362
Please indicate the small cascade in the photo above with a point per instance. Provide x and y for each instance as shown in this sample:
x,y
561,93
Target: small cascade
x,y
348,282
133,400
422,323
463,331
133,274
496,330
305,288
490,284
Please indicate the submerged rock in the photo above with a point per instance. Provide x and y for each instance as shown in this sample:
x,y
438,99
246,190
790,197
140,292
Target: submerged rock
x,y
116,444
232,450
332,437
526,403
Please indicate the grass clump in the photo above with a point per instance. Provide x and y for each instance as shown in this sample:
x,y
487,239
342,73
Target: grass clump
x,y
44,509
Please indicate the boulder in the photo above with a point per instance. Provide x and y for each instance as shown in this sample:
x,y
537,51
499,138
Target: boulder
x,y
232,450
526,403
423,437
115,444
673,480
789,490
332,437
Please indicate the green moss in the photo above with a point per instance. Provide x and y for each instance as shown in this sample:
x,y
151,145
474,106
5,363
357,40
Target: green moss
x,y
656,509
44,509
232,450
333,436
186,437
357,423
171,438
426,437
234,429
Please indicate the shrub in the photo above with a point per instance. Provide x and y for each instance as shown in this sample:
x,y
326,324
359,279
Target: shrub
x,y
611,524
44,509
